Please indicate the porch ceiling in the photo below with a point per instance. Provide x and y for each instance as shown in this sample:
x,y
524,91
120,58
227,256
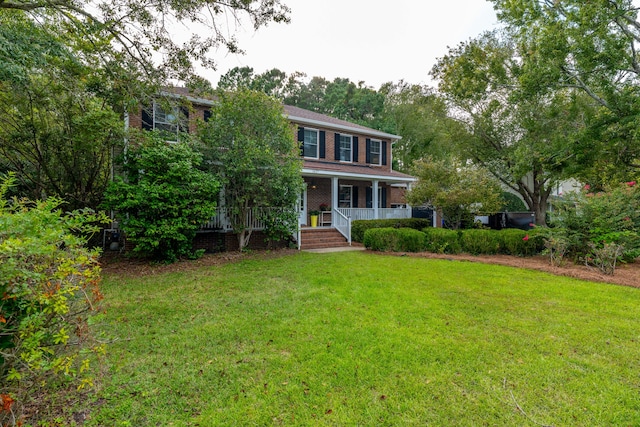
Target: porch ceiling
x,y
313,168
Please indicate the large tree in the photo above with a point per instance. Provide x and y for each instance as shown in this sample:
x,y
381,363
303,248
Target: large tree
x,y
590,46
525,138
420,115
57,126
148,39
455,190
251,146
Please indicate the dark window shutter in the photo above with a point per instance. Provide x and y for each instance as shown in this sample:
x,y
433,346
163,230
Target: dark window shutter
x,y
354,196
184,120
384,197
384,152
336,146
368,149
354,144
147,118
207,115
301,140
323,144
369,198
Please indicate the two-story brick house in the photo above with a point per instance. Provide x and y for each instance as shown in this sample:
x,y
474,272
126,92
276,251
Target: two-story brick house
x,y
347,167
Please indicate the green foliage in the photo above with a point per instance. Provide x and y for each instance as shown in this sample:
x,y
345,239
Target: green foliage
x,y
359,227
251,146
457,191
442,240
479,241
585,223
519,242
57,127
420,115
521,133
590,47
394,239
164,198
50,286
512,203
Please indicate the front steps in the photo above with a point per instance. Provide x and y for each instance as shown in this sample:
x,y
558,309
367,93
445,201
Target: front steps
x,y
321,238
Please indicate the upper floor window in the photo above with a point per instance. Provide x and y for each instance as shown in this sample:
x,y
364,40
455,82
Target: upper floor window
x,y
170,121
375,152
310,147
345,148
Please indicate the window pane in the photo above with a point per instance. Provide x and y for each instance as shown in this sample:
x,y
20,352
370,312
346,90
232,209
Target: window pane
x,y
345,148
375,152
344,197
310,143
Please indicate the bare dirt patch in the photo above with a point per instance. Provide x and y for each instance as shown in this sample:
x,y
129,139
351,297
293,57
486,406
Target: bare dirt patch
x,y
625,274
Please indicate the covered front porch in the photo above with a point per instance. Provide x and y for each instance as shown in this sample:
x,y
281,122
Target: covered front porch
x,y
364,197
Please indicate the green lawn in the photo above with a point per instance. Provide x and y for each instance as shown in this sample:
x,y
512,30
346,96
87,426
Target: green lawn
x,y
364,339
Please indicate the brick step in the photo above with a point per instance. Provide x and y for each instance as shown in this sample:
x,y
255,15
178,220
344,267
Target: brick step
x,y
319,238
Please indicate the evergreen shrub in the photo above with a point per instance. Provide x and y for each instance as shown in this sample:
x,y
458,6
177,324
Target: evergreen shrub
x,y
480,241
442,240
394,239
359,227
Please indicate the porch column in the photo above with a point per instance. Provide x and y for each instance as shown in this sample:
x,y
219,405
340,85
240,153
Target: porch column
x,y
334,193
374,198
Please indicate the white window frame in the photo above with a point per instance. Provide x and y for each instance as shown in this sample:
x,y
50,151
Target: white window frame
x,y
350,160
173,123
317,134
341,201
378,152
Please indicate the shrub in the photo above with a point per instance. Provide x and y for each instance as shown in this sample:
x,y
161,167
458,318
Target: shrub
x,y
394,239
359,227
518,242
164,200
442,240
591,226
477,241
50,288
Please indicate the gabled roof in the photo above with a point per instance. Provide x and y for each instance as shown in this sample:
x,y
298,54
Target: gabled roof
x,y
311,118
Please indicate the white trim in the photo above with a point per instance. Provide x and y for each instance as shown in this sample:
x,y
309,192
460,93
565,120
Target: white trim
x,y
371,141
357,176
371,132
351,150
317,131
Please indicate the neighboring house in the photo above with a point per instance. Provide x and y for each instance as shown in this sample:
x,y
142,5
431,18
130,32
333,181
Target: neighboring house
x,y
347,167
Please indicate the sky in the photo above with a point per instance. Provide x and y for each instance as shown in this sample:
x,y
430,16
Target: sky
x,y
373,41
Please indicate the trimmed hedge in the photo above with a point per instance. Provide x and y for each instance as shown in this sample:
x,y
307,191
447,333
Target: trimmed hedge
x,y
520,243
442,240
394,239
480,241
359,227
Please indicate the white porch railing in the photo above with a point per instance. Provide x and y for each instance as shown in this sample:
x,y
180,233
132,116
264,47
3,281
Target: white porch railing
x,y
222,220
368,213
342,223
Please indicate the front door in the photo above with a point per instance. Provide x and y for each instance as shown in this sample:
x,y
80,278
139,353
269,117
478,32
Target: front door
x,y
302,207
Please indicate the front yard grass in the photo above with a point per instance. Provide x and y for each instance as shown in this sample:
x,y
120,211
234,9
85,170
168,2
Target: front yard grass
x,y
363,339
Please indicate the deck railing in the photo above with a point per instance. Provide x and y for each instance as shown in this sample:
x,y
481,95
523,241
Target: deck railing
x,y
368,213
342,223
224,219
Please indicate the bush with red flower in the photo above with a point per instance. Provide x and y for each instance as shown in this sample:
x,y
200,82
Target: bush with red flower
x,y
591,224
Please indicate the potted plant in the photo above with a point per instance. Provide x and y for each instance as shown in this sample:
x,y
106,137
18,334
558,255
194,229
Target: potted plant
x,y
324,207
314,217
